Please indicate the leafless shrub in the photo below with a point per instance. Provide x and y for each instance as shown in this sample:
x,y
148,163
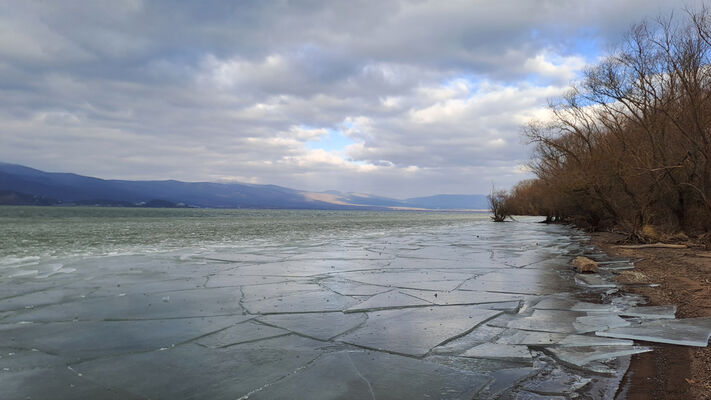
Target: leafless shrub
x,y
498,203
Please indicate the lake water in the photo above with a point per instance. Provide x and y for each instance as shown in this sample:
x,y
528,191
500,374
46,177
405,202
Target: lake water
x,y
122,303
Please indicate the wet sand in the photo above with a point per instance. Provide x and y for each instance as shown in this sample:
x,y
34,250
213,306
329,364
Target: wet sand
x,y
684,275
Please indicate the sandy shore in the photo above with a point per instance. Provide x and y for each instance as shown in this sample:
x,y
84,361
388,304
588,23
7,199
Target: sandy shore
x,y
684,275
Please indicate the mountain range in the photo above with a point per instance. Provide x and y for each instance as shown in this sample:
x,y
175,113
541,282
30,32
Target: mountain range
x,y
20,185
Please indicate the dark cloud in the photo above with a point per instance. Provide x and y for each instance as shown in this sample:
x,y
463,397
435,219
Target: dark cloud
x,y
432,94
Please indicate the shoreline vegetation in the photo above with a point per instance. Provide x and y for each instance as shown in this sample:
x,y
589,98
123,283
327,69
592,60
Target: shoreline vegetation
x,y
628,148
626,156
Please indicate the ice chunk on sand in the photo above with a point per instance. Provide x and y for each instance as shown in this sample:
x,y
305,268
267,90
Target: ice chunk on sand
x,y
650,312
685,332
594,322
559,339
584,340
582,355
555,303
594,307
593,281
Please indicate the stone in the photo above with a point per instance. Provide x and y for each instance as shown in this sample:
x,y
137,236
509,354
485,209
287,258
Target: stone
x,y
584,265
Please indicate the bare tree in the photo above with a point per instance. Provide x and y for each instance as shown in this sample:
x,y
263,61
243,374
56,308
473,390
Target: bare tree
x,y
631,143
498,203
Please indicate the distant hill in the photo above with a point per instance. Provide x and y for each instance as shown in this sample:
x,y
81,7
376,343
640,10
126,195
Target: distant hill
x,y
24,185
451,202
9,197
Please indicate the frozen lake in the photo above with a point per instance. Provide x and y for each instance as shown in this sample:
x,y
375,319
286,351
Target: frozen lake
x,y
209,304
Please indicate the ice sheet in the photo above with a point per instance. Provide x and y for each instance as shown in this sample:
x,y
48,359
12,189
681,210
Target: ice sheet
x,y
557,382
547,321
506,378
650,312
283,299
512,286
242,333
79,340
363,375
558,339
300,302
238,279
481,334
348,288
555,303
416,331
388,300
592,323
461,297
44,297
176,304
55,383
193,371
498,351
266,291
427,279
322,326
594,308
581,356
593,281
685,332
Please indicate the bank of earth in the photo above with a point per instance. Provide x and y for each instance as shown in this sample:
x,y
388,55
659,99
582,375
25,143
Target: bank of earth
x,y
684,278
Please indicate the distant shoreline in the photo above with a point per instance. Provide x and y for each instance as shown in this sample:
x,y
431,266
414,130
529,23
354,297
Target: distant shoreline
x,y
363,208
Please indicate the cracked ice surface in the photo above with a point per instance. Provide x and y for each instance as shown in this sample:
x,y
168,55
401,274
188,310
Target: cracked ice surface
x,y
322,326
364,375
416,331
445,310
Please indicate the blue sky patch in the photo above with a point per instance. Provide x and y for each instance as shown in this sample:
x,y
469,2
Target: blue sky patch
x,y
333,141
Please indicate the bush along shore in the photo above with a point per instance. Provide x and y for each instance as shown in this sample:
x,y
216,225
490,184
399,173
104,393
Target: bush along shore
x,y
629,147
626,153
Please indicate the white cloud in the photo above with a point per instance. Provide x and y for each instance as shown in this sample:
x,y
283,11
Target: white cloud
x,y
432,95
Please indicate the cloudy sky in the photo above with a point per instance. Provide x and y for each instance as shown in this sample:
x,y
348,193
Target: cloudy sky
x,y
395,98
